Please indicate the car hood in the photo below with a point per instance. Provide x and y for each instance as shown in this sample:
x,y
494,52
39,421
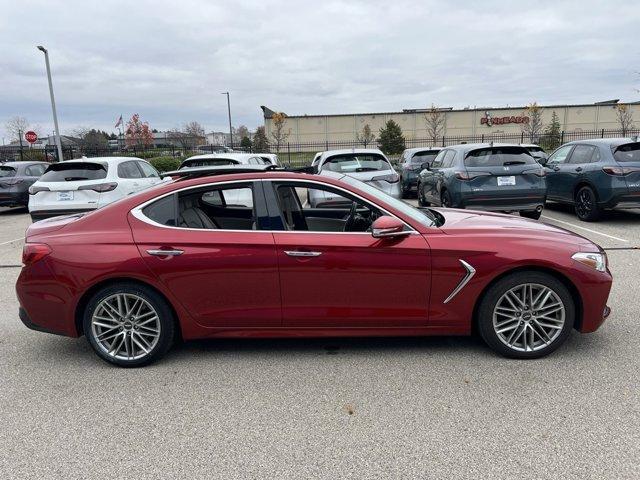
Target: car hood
x,y
471,222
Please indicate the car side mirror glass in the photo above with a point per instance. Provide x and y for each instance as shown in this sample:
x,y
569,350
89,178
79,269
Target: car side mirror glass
x,y
542,160
387,226
426,166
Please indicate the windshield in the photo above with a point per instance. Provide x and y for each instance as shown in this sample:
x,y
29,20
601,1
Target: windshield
x,y
74,171
421,157
629,152
208,162
498,157
421,216
356,162
7,171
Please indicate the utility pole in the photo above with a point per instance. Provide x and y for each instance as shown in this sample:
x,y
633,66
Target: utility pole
x,y
229,111
53,103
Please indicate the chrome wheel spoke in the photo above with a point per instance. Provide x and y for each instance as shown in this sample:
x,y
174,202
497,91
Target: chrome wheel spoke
x,y
528,317
125,326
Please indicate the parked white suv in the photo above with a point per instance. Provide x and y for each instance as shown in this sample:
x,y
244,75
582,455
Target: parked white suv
x,y
86,184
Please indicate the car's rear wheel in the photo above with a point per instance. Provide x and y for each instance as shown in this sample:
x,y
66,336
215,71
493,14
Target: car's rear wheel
x,y
527,314
533,214
128,325
445,199
586,205
421,200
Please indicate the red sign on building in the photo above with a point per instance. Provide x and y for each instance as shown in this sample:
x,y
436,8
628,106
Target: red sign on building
x,y
489,120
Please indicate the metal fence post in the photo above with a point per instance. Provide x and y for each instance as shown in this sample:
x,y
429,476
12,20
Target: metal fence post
x,y
289,152
443,141
562,138
602,133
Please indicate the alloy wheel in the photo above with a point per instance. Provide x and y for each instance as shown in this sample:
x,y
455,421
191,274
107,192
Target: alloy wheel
x,y
529,317
125,326
584,203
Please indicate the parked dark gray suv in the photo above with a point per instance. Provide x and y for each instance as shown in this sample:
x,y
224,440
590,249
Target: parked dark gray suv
x,y
485,176
15,180
593,175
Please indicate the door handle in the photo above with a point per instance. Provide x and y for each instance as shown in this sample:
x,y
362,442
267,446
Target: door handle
x,y
165,253
578,169
298,253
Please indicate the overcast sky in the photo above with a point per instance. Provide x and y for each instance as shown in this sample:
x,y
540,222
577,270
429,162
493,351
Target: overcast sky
x,y
169,60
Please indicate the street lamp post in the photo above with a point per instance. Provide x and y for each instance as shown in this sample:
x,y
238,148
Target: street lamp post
x,y
229,111
53,102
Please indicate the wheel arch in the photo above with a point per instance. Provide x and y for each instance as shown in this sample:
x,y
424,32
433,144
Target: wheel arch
x,y
86,296
573,291
583,182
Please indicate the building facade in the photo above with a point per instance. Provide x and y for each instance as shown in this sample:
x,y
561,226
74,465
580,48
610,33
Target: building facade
x,y
457,122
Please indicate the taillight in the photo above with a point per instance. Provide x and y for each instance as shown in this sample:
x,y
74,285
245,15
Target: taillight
x,y
620,171
33,252
464,175
33,189
391,178
540,172
100,187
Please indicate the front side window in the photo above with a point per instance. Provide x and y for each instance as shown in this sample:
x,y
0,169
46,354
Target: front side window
x,y
356,162
437,162
560,155
320,208
129,170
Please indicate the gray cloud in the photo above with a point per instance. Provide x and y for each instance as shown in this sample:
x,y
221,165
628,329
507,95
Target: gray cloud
x,y
169,61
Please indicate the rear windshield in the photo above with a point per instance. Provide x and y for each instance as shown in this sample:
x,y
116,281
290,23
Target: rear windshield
x,y
629,152
208,162
7,171
421,157
498,157
74,171
356,162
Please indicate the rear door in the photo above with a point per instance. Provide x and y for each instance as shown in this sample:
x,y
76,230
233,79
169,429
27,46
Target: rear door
x,y
558,177
331,278
150,174
130,177
212,257
429,178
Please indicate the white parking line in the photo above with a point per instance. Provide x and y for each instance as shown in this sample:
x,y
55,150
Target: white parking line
x,y
586,229
11,241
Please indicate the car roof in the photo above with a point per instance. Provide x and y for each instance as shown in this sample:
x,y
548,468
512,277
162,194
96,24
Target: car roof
x,y
344,151
467,147
103,160
613,142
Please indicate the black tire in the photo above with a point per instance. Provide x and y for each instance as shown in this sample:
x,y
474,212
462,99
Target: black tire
x,y
532,214
421,200
586,205
485,314
165,322
445,199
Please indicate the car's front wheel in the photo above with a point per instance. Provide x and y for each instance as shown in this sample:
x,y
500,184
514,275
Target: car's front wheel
x,y
527,314
128,325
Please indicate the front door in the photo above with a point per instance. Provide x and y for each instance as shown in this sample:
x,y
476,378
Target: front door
x,y
204,245
334,273
558,174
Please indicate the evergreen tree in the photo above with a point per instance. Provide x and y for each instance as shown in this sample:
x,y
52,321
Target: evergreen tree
x,y
391,139
552,134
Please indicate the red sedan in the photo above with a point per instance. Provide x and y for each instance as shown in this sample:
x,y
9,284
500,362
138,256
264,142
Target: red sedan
x,y
237,253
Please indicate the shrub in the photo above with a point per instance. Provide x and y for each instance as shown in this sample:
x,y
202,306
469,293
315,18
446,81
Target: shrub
x,y
165,164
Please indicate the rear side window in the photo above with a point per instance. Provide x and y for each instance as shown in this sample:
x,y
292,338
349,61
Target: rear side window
x,y
129,170
498,157
7,171
421,157
34,170
208,162
584,154
74,171
163,211
358,162
629,152
148,170
448,159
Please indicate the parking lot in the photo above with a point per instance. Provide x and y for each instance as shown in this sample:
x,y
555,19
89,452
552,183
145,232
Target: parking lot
x,y
348,408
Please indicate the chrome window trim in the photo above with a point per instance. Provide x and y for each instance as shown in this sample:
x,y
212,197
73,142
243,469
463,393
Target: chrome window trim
x,y
137,211
468,276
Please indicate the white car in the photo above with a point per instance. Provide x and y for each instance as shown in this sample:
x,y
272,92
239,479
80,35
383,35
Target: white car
x,y
369,165
86,184
220,159
269,157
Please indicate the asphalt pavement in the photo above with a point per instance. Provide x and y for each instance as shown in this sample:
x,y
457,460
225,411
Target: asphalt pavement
x,y
350,408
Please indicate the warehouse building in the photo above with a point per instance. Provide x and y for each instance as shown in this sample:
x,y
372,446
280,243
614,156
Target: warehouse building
x,y
486,121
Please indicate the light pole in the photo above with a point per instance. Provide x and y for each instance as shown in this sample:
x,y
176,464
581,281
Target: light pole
x,y
53,102
229,111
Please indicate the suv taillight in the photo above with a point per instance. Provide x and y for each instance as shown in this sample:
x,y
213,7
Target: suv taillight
x,y
620,171
391,178
33,252
464,175
540,172
33,189
100,188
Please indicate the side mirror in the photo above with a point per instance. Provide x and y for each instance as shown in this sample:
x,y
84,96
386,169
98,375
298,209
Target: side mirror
x,y
387,226
542,161
426,166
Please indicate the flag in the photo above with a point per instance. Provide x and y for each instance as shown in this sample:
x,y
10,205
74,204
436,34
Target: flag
x,y
118,123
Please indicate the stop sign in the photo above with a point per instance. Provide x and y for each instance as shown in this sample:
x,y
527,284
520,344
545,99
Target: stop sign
x,y
31,136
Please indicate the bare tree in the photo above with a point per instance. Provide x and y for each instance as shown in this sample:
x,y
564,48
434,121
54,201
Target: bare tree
x,y
180,138
195,131
624,116
16,126
366,136
434,118
241,132
279,134
532,128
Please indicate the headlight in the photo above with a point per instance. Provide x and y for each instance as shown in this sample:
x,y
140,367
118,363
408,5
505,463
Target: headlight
x,y
593,260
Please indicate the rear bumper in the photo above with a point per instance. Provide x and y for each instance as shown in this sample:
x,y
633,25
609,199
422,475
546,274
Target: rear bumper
x,y
502,203
26,320
624,200
409,180
42,214
10,199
